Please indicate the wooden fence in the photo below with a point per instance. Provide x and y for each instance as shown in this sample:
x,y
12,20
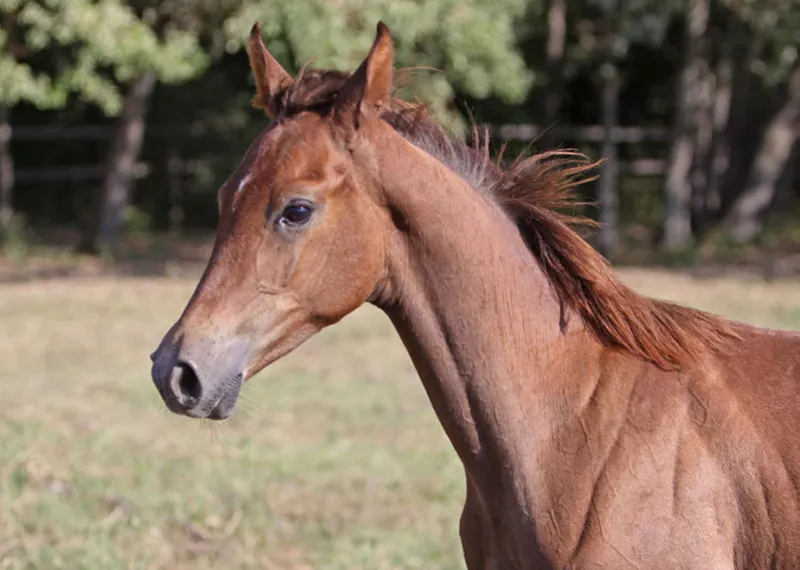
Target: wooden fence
x,y
75,172
591,134
180,169
596,134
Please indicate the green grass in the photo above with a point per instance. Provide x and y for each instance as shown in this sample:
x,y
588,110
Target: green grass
x,y
334,459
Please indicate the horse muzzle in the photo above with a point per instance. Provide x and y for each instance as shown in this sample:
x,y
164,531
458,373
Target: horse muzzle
x,y
200,381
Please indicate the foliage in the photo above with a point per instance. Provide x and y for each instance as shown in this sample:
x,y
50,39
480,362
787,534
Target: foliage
x,y
471,43
16,238
91,46
778,23
490,56
629,22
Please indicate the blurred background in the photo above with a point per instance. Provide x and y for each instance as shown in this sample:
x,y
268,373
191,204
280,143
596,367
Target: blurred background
x,y
120,120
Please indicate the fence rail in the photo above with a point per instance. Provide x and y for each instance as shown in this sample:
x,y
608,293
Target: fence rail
x,y
506,132
588,133
97,132
76,173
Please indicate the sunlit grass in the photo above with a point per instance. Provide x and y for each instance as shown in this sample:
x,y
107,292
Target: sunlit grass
x,y
334,459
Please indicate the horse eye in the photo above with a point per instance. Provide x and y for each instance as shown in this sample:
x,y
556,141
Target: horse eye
x,y
296,214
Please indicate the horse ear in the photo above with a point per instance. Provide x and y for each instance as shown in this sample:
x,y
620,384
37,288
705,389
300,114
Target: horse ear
x,y
371,84
271,79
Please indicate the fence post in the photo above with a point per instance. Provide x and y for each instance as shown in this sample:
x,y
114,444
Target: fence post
x,y
609,175
175,184
6,171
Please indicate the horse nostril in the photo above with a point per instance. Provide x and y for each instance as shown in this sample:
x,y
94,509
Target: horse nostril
x,y
186,385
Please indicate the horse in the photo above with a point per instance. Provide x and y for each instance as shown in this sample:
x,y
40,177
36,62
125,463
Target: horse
x,y
597,428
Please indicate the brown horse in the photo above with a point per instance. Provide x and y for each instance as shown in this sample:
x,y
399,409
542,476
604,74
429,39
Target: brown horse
x,y
597,428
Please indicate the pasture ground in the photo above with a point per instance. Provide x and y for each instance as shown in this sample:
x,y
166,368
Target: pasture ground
x,y
334,460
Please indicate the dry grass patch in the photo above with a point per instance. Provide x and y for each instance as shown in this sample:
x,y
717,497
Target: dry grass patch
x,y
334,460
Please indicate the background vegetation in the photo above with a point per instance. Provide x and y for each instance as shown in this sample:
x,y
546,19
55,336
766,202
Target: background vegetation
x,y
128,115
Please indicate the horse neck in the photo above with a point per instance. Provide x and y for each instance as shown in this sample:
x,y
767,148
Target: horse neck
x,y
475,312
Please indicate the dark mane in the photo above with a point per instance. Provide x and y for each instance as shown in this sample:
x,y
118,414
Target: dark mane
x,y
535,192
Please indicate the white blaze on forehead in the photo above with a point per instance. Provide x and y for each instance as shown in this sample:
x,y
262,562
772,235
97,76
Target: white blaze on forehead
x,y
242,183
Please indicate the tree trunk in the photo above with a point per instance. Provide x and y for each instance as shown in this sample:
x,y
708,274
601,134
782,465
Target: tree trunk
x,y
746,215
556,42
6,172
106,219
678,187
784,193
719,159
736,133
704,131
609,176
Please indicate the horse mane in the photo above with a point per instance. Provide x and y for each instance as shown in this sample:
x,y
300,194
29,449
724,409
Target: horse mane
x,y
537,193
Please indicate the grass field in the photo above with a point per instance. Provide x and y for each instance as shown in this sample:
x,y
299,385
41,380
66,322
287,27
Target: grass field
x,y
334,460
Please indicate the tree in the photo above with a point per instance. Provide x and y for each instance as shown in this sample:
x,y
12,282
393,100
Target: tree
x,y
93,48
609,177
200,20
722,117
107,213
732,148
775,27
556,48
775,149
678,183
733,50
610,36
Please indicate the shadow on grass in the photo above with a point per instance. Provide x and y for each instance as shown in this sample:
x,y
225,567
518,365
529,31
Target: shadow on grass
x,y
139,255
51,256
